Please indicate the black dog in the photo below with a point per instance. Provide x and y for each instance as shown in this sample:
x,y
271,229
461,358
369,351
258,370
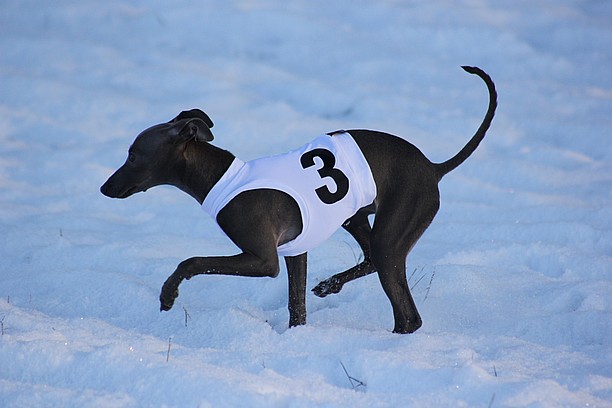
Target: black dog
x,y
262,220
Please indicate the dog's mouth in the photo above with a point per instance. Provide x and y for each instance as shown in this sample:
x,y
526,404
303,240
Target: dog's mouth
x,y
132,190
128,192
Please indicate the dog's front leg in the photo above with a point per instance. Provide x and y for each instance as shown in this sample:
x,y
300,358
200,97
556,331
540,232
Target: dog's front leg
x,y
296,270
244,264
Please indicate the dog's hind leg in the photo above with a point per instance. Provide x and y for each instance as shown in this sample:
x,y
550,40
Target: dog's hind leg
x,y
359,227
395,232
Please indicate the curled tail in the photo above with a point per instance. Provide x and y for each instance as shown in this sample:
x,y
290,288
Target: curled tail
x,y
468,149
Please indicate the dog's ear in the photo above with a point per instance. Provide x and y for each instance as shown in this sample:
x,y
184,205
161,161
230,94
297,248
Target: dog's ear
x,y
195,129
193,124
194,114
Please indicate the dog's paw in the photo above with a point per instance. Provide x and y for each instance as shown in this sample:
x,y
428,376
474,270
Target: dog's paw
x,y
167,296
327,287
165,305
408,327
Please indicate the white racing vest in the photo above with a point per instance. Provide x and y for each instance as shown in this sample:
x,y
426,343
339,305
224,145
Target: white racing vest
x,y
329,178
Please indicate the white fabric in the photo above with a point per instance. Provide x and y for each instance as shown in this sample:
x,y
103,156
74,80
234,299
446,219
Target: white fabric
x,y
286,173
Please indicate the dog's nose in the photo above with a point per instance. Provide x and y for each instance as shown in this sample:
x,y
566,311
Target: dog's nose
x,y
106,189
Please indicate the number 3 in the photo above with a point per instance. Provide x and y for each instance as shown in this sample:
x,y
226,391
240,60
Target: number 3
x,y
328,170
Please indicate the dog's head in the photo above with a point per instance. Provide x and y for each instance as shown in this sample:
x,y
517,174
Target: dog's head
x,y
156,152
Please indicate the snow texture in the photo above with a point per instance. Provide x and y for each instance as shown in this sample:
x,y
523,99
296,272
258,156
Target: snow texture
x,y
513,279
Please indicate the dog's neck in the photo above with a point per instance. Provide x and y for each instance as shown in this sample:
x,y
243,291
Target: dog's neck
x,y
203,167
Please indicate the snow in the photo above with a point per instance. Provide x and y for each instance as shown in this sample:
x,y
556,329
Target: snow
x,y
513,279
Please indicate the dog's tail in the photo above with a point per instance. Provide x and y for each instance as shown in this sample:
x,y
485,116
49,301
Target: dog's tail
x,y
468,149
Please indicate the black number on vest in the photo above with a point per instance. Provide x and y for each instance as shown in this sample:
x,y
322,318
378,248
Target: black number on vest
x,y
328,170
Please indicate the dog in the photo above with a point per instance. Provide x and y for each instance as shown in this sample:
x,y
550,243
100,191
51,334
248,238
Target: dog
x,y
259,209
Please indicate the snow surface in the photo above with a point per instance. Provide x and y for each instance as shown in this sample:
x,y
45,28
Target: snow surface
x,y
513,279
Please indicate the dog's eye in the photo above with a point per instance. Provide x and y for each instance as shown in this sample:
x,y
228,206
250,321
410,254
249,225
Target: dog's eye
x,y
131,157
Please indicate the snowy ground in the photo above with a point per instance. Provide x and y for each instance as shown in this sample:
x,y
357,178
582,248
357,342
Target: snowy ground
x,y
513,279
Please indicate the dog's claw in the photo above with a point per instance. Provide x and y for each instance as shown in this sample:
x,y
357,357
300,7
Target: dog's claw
x,y
165,306
327,287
